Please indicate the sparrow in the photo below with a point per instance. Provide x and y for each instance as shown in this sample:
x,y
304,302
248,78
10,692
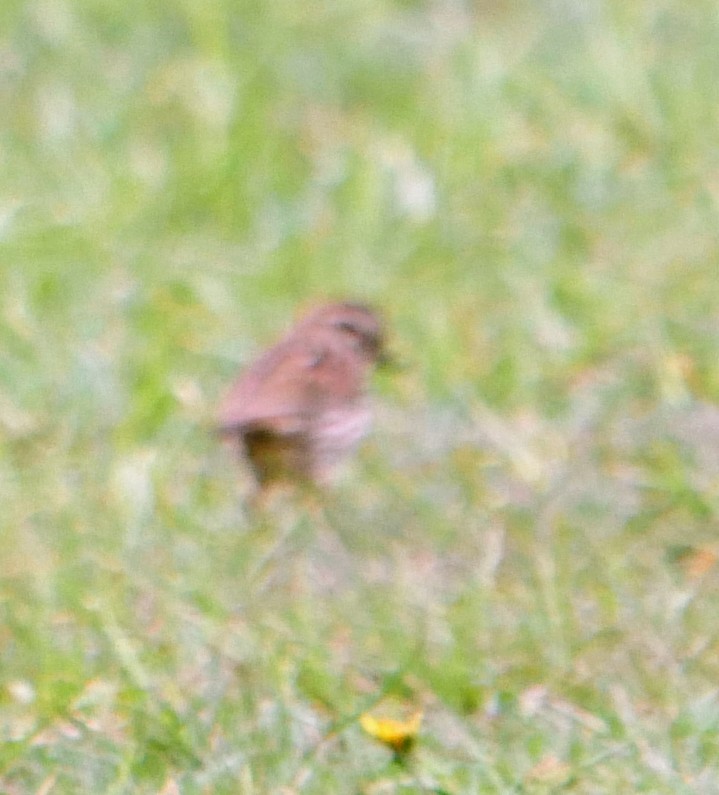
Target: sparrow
x,y
303,405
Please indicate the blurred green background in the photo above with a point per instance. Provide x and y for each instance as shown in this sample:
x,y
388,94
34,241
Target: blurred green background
x,y
526,547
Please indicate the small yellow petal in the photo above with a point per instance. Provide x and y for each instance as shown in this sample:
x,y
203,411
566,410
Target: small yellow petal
x,y
397,734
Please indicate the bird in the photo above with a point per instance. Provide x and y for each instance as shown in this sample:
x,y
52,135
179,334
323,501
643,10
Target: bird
x,y
303,406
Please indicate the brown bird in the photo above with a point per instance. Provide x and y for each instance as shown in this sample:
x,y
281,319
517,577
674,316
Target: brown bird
x,y
302,407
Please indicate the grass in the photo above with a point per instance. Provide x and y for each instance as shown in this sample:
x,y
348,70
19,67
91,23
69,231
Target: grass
x,y
525,547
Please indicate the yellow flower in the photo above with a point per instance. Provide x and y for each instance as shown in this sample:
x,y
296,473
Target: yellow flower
x,y
399,735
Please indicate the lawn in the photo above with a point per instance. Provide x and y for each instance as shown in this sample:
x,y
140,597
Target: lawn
x,y
525,551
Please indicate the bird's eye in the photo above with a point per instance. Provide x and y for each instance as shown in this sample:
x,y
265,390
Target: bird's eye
x,y
345,325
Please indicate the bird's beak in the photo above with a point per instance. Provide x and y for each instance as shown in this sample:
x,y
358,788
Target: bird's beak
x,y
388,361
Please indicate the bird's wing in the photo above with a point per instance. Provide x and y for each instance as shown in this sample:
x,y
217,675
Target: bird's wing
x,y
285,385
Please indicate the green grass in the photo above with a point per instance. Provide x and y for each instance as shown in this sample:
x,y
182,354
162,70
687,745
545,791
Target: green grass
x,y
529,192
